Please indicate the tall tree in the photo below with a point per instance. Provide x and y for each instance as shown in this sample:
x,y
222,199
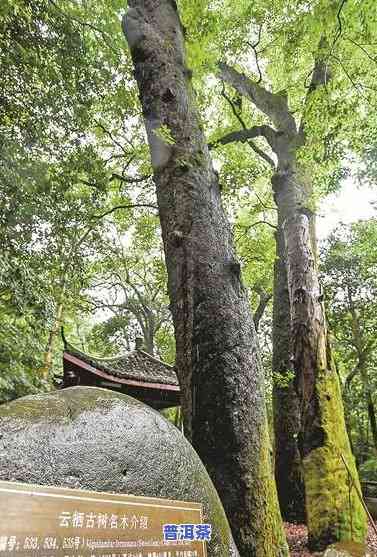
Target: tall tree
x,y
286,408
51,83
260,243
277,41
323,440
217,354
130,283
350,278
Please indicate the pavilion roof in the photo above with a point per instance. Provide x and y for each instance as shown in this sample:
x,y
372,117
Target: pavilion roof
x,y
137,365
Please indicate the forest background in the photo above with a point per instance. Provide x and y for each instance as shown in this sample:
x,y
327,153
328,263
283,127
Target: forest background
x,y
80,235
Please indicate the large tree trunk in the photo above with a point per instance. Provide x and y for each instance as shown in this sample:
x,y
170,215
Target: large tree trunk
x,y
334,511
217,354
52,337
147,324
288,468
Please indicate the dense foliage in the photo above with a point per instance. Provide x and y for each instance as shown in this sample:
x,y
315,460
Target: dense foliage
x,y
349,264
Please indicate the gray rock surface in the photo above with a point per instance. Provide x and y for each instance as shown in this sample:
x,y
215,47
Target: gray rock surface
x,y
90,438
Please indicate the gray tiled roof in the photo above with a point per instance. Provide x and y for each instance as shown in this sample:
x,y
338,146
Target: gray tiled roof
x,y
137,365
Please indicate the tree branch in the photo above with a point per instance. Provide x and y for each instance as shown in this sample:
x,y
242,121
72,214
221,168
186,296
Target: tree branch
x,y
262,154
131,206
110,135
357,86
262,203
245,229
129,179
339,30
257,223
252,145
106,213
264,298
254,47
244,136
234,110
273,105
372,58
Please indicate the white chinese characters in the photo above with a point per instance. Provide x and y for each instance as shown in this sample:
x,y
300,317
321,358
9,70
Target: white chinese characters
x,y
102,521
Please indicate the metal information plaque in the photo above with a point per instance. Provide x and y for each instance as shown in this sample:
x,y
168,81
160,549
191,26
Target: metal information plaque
x,y
58,522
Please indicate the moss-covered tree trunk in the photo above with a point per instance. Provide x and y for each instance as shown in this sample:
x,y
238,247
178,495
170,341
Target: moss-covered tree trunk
x,y
217,354
333,509
288,468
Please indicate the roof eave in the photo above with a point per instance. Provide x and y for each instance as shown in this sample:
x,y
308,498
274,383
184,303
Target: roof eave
x,y
103,374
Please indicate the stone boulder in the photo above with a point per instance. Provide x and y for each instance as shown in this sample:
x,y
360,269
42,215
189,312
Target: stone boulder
x,y
91,438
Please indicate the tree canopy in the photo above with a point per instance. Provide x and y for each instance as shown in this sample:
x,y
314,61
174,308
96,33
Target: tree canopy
x,y
284,94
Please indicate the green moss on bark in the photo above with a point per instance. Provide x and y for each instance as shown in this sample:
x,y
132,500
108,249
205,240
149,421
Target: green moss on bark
x,y
334,510
269,533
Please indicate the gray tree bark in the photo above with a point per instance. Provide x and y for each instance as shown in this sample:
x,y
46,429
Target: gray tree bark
x,y
288,467
333,511
217,354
